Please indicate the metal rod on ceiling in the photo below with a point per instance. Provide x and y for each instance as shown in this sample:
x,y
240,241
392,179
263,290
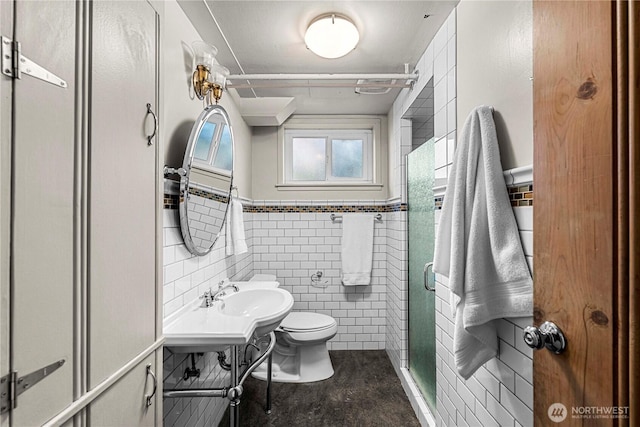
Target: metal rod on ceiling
x,y
314,84
387,76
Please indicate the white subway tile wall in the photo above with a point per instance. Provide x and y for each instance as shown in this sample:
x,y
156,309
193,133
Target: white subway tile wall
x,y
294,246
397,292
501,392
205,217
185,278
201,411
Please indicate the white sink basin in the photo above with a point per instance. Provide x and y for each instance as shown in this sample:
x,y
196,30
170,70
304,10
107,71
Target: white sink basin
x,y
268,306
256,284
232,321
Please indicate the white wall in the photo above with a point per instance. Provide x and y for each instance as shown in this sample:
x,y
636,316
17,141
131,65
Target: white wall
x,y
495,67
187,276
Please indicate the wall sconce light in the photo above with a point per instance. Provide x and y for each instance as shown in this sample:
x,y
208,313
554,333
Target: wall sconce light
x,y
209,78
331,35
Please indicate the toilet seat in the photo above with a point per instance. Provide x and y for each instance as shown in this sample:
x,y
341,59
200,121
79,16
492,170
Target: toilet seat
x,y
299,321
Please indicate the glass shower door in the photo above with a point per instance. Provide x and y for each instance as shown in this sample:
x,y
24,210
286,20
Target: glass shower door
x,y
421,232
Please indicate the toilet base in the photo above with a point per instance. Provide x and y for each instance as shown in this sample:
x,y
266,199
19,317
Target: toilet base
x,y
300,364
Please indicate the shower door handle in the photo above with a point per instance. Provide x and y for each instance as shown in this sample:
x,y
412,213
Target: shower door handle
x,y
428,266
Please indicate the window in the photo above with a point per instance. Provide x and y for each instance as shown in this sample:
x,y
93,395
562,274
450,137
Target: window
x,y
323,156
214,150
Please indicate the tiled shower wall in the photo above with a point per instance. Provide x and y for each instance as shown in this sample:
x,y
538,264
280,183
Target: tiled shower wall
x,y
397,292
185,278
296,245
500,393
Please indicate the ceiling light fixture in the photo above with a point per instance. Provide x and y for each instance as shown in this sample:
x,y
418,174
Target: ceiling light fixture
x,y
331,36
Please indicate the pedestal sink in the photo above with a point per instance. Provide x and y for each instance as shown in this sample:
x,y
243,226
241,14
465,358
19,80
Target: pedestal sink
x,y
233,320
266,306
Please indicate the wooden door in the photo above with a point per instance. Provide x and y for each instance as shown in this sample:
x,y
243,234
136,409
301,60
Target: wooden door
x,y
582,213
122,181
45,215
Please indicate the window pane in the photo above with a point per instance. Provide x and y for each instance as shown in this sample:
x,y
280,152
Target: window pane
x,y
203,144
308,155
224,156
346,158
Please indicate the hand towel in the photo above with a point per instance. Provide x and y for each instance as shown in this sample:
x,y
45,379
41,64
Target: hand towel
x,y
357,249
478,246
234,230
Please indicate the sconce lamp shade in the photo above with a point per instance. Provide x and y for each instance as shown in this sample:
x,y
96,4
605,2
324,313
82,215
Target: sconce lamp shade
x,y
331,36
204,53
218,75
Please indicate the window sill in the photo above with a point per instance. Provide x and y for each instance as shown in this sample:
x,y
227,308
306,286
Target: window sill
x,y
329,187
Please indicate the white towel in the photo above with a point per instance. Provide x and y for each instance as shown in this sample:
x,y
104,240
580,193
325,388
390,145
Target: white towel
x,y
234,230
478,246
357,249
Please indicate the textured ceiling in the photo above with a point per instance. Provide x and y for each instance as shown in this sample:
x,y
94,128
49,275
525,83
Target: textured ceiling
x,y
268,37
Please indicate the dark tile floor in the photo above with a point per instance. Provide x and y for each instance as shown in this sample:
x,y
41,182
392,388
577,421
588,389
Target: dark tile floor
x,y
364,391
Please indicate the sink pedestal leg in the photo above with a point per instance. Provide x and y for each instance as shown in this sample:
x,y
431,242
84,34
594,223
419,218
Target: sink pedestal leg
x,y
234,409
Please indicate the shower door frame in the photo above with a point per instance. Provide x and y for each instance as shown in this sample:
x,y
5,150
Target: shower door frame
x,y
420,270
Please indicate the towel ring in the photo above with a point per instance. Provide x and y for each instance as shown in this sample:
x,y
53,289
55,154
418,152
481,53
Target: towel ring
x,y
237,193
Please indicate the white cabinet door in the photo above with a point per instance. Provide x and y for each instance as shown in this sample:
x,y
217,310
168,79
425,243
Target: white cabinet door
x,y
122,181
124,403
44,213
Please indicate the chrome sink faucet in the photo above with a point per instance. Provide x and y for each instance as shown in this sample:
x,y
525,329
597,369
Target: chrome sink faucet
x,y
207,298
221,290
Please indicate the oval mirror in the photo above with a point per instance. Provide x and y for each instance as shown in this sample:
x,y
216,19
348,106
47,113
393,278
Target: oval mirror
x,y
205,188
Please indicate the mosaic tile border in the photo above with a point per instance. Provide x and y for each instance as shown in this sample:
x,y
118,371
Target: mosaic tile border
x,y
519,195
396,207
208,195
172,201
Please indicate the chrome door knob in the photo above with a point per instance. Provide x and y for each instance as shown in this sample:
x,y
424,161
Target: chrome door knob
x,y
547,335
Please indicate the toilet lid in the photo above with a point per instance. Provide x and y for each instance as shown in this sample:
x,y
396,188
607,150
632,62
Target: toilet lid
x,y
305,321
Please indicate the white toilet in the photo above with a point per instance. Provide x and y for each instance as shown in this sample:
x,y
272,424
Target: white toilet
x,y
300,354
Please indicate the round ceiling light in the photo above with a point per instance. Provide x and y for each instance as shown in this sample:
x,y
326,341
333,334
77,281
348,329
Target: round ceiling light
x,y
331,36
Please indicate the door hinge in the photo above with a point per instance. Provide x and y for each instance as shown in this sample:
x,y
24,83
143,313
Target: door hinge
x,y
14,64
12,386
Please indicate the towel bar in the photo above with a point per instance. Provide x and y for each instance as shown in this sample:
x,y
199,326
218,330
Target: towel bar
x,y
335,217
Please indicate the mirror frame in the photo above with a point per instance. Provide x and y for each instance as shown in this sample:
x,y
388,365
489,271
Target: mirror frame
x,y
209,111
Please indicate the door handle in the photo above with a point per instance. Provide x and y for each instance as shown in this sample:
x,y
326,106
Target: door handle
x,y
426,278
155,125
547,335
149,397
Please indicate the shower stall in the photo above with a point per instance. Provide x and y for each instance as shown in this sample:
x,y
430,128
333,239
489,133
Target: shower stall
x,y
421,238
420,176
